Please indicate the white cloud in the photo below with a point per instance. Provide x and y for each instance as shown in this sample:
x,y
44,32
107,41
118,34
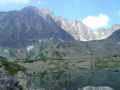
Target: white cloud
x,y
95,22
41,2
13,1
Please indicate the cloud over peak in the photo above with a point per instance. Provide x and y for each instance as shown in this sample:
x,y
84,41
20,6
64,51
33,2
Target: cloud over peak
x,y
96,22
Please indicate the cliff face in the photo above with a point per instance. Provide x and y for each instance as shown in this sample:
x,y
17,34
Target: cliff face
x,y
83,33
18,28
76,29
8,82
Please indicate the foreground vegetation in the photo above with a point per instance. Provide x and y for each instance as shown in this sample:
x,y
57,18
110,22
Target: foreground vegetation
x,y
10,67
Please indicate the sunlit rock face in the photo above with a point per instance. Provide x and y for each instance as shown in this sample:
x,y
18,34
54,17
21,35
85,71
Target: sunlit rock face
x,y
104,33
83,33
96,88
76,29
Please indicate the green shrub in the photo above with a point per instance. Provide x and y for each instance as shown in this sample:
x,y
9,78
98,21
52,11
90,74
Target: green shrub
x,y
12,68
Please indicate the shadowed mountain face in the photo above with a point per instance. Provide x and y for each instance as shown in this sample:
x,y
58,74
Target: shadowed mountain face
x,y
108,46
59,49
20,27
115,37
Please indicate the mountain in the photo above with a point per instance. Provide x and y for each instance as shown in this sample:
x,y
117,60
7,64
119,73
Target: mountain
x,y
40,51
76,29
104,33
50,49
108,46
18,28
21,27
115,37
33,33
83,33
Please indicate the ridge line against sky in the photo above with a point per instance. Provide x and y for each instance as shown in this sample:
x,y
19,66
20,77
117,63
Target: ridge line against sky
x,y
93,13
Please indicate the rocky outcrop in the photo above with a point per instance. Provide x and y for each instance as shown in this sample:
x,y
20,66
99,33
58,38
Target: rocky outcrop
x,y
104,33
76,29
96,88
8,82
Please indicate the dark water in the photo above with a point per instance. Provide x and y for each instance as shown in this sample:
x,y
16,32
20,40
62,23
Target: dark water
x,y
77,78
75,75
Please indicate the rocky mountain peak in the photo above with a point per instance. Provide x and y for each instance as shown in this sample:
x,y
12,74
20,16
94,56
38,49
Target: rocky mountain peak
x,y
76,29
41,12
29,24
45,12
115,27
104,33
30,9
33,22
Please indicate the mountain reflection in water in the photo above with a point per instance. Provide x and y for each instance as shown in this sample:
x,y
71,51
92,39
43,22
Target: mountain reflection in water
x,y
61,77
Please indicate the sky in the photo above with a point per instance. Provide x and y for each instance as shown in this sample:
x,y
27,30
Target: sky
x,y
93,13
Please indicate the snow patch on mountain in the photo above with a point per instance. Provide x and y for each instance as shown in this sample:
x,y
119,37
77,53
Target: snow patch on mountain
x,y
30,48
6,50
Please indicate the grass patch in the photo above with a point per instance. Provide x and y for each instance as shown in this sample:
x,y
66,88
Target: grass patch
x,y
12,68
101,64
